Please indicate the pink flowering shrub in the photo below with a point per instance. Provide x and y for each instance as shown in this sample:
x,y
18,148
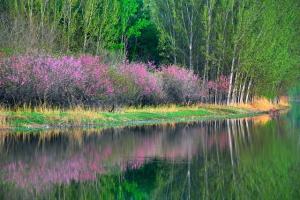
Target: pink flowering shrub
x,y
70,80
146,84
63,80
180,85
98,83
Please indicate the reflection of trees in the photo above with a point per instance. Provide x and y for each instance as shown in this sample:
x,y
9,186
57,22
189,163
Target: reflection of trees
x,y
35,165
211,160
263,168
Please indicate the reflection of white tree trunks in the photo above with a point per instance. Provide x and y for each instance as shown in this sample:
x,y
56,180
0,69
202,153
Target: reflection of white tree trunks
x,y
189,157
241,129
206,171
230,146
248,131
30,8
235,133
189,176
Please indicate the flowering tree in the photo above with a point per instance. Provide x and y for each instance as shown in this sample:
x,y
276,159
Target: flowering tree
x,y
147,84
180,85
70,80
63,80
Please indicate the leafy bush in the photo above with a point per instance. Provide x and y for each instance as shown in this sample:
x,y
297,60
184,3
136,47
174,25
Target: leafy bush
x,y
180,85
125,90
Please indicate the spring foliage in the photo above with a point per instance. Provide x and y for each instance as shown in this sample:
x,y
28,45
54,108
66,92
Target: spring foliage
x,y
250,46
69,80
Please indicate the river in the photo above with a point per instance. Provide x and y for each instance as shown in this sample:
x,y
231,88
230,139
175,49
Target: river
x,y
249,158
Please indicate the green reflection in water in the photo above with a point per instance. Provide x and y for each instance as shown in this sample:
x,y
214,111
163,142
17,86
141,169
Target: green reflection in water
x,y
232,159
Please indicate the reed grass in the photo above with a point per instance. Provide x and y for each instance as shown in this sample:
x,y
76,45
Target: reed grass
x,y
263,104
43,117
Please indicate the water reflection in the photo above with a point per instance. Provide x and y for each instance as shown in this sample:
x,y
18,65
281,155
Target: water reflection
x,y
210,160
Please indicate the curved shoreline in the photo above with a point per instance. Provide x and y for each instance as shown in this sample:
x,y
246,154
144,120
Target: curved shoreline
x,y
35,121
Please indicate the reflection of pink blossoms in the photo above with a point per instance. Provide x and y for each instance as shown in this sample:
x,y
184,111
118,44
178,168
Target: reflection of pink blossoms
x,y
44,169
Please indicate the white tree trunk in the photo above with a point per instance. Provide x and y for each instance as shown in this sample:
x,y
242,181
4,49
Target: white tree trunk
x,y
248,91
231,76
234,91
191,37
243,92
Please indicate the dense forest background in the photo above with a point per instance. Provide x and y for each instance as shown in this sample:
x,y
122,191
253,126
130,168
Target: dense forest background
x,y
254,43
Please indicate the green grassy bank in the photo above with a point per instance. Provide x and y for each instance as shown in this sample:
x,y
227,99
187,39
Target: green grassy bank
x,y
45,118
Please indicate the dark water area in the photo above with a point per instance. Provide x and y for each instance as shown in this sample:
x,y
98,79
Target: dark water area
x,y
249,158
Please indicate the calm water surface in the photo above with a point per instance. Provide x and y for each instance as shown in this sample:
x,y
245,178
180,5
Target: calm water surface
x,y
253,158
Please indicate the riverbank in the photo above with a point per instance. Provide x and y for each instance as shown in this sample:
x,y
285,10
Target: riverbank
x,y
46,118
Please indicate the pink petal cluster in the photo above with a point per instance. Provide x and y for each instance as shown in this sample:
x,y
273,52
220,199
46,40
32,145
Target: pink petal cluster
x,y
147,82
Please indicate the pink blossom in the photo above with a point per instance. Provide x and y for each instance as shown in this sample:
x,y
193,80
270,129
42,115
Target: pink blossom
x,y
148,82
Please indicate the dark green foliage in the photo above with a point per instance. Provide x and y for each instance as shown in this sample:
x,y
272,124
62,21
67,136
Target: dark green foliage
x,y
145,47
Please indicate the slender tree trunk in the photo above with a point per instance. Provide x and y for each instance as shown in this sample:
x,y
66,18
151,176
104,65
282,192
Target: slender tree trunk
x,y
224,37
205,74
42,18
171,22
89,9
125,43
30,8
174,50
191,54
218,99
191,37
239,93
243,91
84,42
69,24
98,47
231,75
248,90
234,91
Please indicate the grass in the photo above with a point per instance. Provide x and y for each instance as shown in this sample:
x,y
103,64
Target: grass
x,y
26,118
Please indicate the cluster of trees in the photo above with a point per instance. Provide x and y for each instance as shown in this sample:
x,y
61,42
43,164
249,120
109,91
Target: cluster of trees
x,y
68,80
253,43
74,26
